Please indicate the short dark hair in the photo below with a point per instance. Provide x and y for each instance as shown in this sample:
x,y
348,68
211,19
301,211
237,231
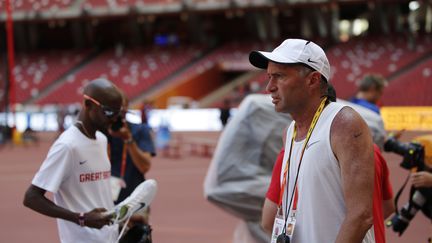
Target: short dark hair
x,y
372,81
310,69
328,90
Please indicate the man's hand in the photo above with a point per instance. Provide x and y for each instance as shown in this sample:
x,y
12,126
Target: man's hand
x,y
36,200
96,218
421,179
398,134
123,133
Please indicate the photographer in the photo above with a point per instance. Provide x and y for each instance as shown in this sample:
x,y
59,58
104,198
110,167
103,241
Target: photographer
x,y
420,194
131,149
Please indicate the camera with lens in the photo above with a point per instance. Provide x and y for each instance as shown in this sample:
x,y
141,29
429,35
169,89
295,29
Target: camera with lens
x,y
139,233
419,198
413,153
119,123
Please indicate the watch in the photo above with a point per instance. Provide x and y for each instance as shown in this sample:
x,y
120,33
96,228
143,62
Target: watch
x,y
81,219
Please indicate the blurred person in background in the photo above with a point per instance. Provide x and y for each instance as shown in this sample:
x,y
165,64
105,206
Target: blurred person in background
x,y
77,171
225,112
5,135
131,149
30,137
370,90
383,205
147,106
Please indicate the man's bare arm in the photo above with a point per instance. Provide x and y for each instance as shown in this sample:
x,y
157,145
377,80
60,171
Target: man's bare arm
x,y
352,144
268,215
35,199
141,159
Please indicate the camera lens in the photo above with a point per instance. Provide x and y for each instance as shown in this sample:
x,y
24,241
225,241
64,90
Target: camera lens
x,y
393,145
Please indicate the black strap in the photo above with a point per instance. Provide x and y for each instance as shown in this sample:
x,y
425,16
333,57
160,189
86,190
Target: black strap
x,y
399,193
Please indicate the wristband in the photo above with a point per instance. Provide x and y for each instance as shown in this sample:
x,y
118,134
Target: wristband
x,y
81,219
129,141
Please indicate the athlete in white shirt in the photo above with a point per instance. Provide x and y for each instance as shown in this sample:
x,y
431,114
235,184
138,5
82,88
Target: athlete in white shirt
x,y
77,170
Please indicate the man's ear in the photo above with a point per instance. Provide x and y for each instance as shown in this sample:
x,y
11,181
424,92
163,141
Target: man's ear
x,y
315,79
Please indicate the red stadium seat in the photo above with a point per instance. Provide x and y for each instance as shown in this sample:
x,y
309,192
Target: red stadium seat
x,y
35,71
38,5
352,60
132,70
412,88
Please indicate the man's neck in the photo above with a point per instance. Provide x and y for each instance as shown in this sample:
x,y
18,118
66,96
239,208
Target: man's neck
x,y
303,119
87,128
364,96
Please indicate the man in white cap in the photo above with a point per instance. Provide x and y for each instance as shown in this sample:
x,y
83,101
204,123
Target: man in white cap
x,y
327,174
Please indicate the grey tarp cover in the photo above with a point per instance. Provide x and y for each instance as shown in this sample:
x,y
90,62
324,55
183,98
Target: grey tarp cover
x,y
240,171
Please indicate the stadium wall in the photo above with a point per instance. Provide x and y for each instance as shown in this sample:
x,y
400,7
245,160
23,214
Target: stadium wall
x,y
196,87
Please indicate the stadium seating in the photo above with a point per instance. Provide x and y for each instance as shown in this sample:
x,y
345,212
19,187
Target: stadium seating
x,y
132,70
116,6
43,5
160,2
252,2
413,88
352,60
136,70
35,71
37,5
26,9
232,56
207,4
256,84
95,3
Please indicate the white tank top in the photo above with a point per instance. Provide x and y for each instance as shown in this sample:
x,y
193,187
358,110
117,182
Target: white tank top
x,y
321,206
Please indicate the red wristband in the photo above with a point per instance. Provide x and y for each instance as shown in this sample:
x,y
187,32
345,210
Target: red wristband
x,y
81,219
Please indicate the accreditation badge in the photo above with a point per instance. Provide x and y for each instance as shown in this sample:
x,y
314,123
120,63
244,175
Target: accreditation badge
x,y
278,225
291,221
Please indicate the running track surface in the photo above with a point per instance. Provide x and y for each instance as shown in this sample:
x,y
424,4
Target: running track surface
x,y
179,214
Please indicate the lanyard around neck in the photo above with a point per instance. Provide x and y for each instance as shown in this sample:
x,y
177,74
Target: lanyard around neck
x,y
285,174
123,159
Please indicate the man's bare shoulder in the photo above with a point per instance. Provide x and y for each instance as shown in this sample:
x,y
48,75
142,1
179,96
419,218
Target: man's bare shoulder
x,y
347,120
349,132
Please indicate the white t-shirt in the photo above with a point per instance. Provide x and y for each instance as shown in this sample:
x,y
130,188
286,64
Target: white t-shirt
x,y
321,205
77,170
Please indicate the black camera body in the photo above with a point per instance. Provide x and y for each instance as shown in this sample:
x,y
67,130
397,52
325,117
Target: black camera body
x,y
139,233
419,199
119,123
413,153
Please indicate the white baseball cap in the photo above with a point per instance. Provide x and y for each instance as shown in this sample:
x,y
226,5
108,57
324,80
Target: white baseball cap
x,y
293,51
